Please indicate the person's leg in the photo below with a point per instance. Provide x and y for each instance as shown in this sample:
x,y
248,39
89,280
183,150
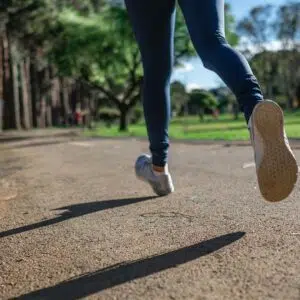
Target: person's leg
x,y
276,166
205,21
153,24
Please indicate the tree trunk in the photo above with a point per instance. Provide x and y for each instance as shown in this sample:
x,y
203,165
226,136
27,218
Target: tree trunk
x,y
27,81
25,96
289,98
35,91
16,95
1,84
48,100
48,114
298,95
55,103
92,106
123,120
6,84
42,114
64,100
201,114
43,100
54,97
10,87
75,96
8,90
236,110
290,101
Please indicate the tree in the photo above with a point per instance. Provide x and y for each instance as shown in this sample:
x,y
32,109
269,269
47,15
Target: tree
x,y
200,101
104,54
266,66
258,27
231,35
278,69
283,72
24,29
179,97
1,84
288,25
288,32
226,101
3,19
56,56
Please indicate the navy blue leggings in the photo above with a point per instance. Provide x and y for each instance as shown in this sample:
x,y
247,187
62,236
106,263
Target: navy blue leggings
x,y
153,23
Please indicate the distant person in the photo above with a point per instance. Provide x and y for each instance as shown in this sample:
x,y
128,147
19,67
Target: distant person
x,y
153,23
216,114
78,117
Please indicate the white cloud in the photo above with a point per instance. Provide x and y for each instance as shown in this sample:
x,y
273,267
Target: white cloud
x,y
192,86
186,68
246,44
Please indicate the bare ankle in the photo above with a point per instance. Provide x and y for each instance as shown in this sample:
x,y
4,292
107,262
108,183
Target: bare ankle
x,y
160,169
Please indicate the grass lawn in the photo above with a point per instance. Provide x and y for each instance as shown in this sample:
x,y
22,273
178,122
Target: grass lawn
x,y
225,128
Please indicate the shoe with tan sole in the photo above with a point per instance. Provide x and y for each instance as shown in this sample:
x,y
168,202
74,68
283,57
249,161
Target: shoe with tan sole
x,y
276,166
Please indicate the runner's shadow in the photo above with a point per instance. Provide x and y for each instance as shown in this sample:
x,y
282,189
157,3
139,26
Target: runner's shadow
x,y
74,211
91,283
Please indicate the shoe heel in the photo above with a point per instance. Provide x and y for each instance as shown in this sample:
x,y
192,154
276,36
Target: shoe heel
x,y
278,170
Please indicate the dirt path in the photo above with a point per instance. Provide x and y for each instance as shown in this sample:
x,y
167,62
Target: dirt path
x,y
81,226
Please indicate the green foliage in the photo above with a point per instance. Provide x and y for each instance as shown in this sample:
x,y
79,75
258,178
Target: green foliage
x,y
288,25
258,25
105,48
91,42
231,35
108,115
280,75
79,43
179,96
278,71
203,99
96,49
200,101
183,44
136,114
104,53
224,128
29,22
224,97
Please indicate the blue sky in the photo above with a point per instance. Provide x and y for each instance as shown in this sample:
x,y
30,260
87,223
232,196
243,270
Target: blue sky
x,y
194,74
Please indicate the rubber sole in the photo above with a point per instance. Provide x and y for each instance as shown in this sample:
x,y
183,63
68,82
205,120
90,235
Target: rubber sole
x,y
278,171
154,188
167,181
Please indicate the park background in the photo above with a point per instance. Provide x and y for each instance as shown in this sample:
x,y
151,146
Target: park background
x,y
68,63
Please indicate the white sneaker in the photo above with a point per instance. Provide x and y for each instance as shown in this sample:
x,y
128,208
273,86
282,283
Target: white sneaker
x,y
276,166
162,184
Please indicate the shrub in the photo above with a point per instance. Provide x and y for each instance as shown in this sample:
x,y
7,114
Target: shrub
x,y
137,114
108,115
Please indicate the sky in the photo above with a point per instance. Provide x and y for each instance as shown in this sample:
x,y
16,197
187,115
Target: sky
x,y
193,74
